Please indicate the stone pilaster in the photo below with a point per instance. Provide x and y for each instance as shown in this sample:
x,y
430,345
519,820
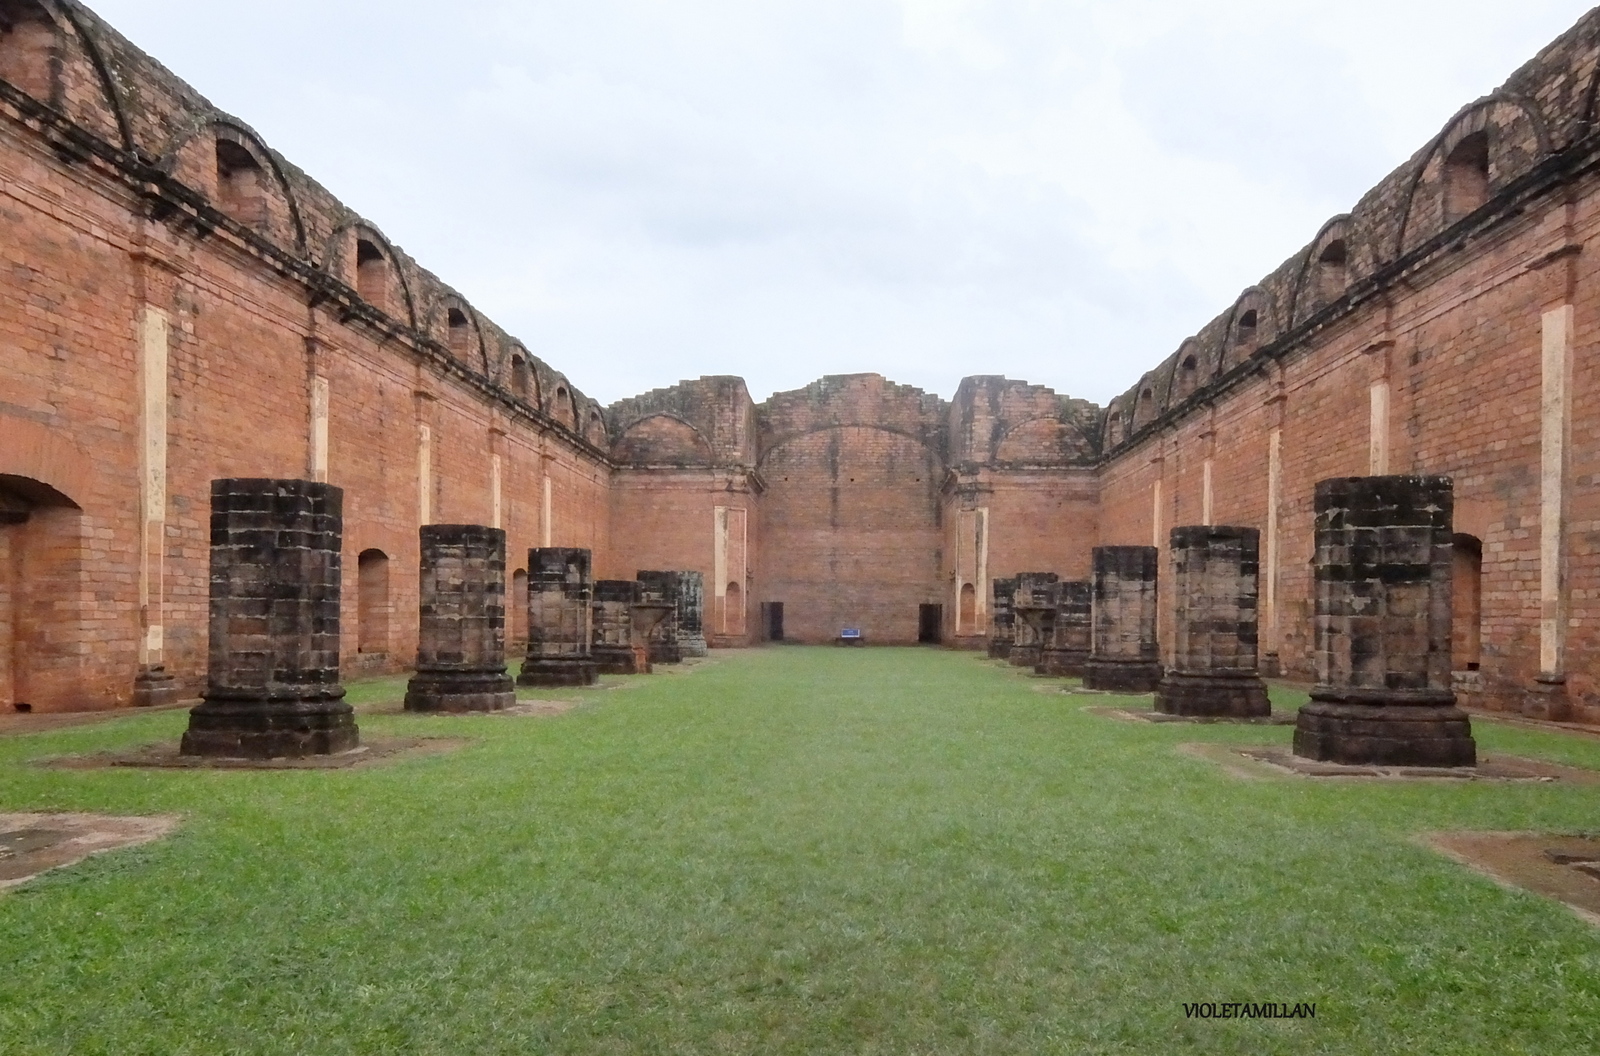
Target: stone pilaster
x,y
613,647
1216,577
461,639
560,593
1124,656
1072,632
1382,627
663,588
1003,620
273,686
1034,609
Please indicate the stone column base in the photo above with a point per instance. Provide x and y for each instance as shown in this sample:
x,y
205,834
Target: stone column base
x,y
458,691
1024,655
271,729
154,688
1122,676
664,653
1231,695
1062,663
999,650
1421,729
1547,699
693,647
615,660
577,671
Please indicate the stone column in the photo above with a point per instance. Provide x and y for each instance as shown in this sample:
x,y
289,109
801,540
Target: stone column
x,y
560,592
1003,628
1124,656
1034,611
1382,627
663,588
691,613
647,614
461,639
613,645
273,682
1216,582
1067,651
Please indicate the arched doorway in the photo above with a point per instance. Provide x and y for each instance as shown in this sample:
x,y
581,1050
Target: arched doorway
x,y
372,613
41,568
967,616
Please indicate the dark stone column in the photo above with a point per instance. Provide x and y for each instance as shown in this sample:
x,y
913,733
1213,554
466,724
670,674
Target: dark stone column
x,y
662,588
560,592
613,649
1067,651
153,687
1124,657
1034,610
1002,620
273,681
461,640
691,614
1382,627
647,614
1216,576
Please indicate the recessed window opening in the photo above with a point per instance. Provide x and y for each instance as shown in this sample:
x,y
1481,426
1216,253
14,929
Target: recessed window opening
x,y
1188,376
1245,331
372,613
241,186
460,334
1331,273
733,610
1466,176
372,275
1466,602
967,614
521,378
28,48
1145,412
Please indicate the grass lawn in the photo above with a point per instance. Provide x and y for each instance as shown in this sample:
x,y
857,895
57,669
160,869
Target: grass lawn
x,y
789,850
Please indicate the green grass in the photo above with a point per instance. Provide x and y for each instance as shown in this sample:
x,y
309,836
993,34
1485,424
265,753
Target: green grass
x,y
789,850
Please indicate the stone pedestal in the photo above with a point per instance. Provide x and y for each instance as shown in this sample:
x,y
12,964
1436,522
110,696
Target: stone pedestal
x,y
1382,627
272,688
613,649
1002,620
461,639
560,592
1215,587
154,688
1071,633
1034,606
691,614
1124,657
648,613
661,588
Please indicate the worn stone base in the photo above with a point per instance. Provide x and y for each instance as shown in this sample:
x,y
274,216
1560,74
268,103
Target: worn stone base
x,y
1370,734
999,650
558,673
615,660
1062,663
1232,696
1548,700
1024,655
459,691
693,647
277,729
662,653
1122,676
155,688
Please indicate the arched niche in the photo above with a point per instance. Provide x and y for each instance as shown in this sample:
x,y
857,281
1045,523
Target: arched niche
x,y
662,439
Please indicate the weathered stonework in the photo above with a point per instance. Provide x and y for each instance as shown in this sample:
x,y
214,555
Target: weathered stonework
x,y
1215,587
1034,606
647,614
691,614
1071,633
1124,656
461,644
1003,620
1382,625
560,596
615,649
273,687
664,588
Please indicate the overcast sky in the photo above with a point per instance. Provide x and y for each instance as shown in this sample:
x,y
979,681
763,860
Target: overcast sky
x,y
649,190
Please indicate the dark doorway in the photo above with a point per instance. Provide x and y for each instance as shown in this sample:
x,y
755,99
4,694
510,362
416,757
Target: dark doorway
x,y
930,624
774,621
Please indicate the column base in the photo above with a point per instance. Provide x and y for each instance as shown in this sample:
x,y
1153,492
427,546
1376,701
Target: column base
x,y
1024,656
460,691
615,660
695,646
271,729
665,653
1417,729
154,688
1062,663
1122,676
999,650
578,671
1547,699
1232,695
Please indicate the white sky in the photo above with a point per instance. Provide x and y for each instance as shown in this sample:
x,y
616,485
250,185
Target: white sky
x,y
649,190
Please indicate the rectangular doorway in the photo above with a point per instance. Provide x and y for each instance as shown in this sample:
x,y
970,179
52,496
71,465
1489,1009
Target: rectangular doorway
x,y
774,621
930,624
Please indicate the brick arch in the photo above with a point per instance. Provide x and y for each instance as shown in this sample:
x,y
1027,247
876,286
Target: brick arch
x,y
356,229
1060,440
65,19
1308,294
239,132
506,373
34,451
1240,340
477,348
662,438
561,404
1189,373
788,438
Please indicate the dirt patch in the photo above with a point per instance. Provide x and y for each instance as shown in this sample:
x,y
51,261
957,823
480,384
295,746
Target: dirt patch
x,y
13,723
1277,718
1278,761
164,756
1565,868
31,844
538,708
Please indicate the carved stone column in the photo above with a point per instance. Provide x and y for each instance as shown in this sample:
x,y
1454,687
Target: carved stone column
x,y
1215,588
692,613
1382,627
560,593
461,639
1034,608
1072,632
273,686
1124,657
613,647
1003,625
663,588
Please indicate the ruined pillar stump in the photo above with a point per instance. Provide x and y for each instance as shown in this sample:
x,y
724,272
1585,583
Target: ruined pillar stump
x,y
1002,620
1382,627
691,614
1215,588
1071,633
647,614
461,639
272,688
661,588
560,593
1034,609
614,649
1124,657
